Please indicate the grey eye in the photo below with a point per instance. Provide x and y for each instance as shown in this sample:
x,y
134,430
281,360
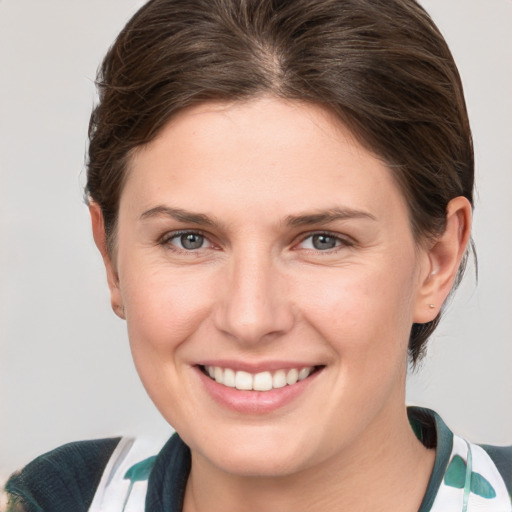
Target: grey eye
x,y
324,242
191,241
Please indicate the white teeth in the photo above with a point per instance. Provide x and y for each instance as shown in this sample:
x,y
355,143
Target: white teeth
x,y
279,379
243,380
263,381
303,373
229,378
292,376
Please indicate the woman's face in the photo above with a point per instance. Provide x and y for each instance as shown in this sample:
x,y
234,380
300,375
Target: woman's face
x,y
256,241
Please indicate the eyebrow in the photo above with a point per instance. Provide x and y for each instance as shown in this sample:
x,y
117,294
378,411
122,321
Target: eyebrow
x,y
324,217
179,215
321,217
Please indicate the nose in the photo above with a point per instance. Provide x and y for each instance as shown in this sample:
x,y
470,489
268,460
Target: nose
x,y
253,304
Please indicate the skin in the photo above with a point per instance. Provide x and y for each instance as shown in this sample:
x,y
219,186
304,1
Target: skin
x,y
260,291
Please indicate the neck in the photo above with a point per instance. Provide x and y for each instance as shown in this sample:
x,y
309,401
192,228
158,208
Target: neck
x,y
387,469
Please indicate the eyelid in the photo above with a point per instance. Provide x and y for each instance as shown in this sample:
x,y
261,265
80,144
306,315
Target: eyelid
x,y
166,239
345,240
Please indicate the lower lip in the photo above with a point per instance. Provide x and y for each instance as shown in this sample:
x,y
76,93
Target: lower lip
x,y
255,402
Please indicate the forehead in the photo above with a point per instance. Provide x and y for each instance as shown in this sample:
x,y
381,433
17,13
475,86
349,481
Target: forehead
x,y
258,155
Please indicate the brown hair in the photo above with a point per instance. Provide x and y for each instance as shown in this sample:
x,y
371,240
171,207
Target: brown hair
x,y
381,66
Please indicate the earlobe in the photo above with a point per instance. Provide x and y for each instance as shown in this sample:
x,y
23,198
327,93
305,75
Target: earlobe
x,y
442,261
100,239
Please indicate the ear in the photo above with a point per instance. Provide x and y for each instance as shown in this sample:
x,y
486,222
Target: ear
x,y
442,260
100,239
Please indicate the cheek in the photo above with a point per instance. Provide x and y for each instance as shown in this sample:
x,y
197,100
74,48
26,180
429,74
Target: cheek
x,y
362,311
163,308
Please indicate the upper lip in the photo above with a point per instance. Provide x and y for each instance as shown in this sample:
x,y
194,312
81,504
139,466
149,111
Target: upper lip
x,y
256,367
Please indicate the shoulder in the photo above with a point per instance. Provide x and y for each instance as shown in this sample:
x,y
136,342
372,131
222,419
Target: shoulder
x,y
501,456
140,473
466,476
480,474
63,479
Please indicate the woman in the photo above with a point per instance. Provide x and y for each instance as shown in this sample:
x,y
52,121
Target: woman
x,y
282,194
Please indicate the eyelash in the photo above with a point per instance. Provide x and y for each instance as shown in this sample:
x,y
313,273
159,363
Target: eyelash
x,y
169,237
342,242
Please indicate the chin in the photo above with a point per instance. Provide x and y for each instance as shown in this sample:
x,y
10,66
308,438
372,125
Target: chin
x,y
257,453
258,463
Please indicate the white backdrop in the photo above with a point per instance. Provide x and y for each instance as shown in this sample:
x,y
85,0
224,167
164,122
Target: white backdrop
x,y
65,367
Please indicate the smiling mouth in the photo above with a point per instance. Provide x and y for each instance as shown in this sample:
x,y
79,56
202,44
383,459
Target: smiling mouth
x,y
262,381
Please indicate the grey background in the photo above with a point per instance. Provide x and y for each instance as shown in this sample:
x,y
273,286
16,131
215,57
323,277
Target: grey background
x,y
65,367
